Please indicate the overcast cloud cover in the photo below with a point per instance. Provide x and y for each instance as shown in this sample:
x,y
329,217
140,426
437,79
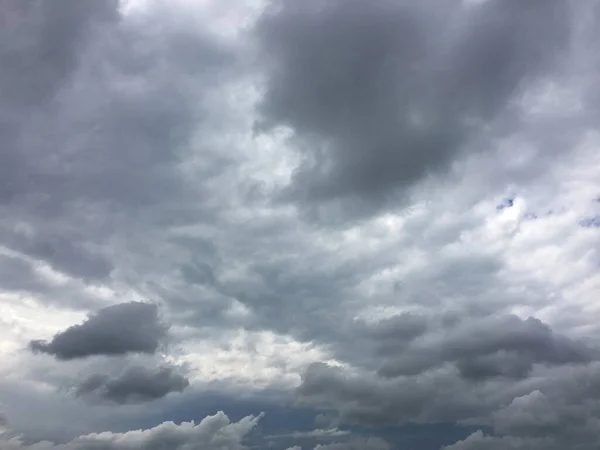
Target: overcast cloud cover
x,y
316,224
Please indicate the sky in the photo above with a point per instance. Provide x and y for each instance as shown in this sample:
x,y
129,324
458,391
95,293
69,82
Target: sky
x,y
299,225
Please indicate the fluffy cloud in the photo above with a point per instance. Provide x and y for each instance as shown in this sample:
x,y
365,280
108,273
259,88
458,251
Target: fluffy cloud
x,y
132,327
354,444
213,432
135,384
367,444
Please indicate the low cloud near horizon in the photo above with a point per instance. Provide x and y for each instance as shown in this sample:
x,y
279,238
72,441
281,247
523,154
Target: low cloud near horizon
x,y
322,225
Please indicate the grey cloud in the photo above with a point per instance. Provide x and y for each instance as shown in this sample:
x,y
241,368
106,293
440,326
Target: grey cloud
x,y
402,327
215,432
370,443
563,412
112,174
487,347
135,385
90,264
133,327
395,333
319,433
99,113
455,371
479,441
46,36
381,95
39,50
366,399
18,274
531,414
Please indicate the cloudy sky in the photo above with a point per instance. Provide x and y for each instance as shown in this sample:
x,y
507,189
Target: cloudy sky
x,y
299,224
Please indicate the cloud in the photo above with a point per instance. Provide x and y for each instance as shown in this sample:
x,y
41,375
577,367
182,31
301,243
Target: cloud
x,y
215,432
135,385
191,156
478,441
380,97
504,346
317,433
133,327
372,443
460,370
554,408
96,126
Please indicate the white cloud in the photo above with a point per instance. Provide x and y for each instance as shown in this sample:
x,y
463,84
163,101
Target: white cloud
x,y
211,433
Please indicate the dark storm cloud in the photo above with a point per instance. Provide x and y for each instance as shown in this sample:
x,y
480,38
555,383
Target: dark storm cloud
x,y
487,347
382,94
562,412
452,371
135,385
96,115
40,43
133,327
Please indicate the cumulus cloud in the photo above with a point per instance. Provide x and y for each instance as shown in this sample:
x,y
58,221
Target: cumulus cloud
x,y
556,408
133,327
136,384
427,394
480,441
211,433
367,444
486,347
370,443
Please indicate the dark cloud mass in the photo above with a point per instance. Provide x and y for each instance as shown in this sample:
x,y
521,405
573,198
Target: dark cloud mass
x,y
486,347
136,384
133,327
96,116
374,221
451,372
380,96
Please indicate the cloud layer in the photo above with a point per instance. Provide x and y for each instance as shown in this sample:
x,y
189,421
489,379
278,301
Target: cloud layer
x,y
374,221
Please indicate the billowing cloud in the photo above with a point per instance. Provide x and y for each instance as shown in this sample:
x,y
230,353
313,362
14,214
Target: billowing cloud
x,y
381,97
211,433
370,443
556,408
479,441
487,347
422,390
136,384
133,327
